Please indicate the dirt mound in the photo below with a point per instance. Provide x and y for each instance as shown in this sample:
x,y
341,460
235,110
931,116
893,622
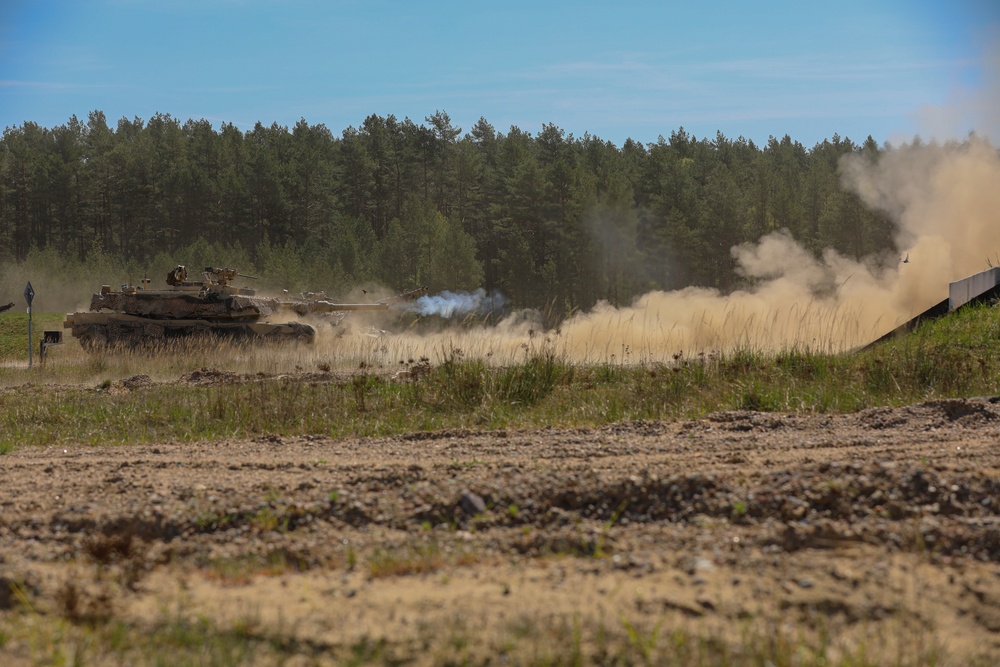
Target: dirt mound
x,y
211,376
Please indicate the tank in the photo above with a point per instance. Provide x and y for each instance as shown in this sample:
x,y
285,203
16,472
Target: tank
x,y
137,315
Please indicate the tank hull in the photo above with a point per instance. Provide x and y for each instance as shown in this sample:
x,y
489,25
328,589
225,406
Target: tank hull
x,y
118,330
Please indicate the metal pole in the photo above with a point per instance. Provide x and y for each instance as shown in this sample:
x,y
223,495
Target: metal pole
x,y
29,296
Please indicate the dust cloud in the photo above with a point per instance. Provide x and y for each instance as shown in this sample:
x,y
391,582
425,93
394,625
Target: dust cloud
x,y
946,202
53,292
945,199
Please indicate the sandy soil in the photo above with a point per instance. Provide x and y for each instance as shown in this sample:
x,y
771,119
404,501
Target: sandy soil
x,y
877,529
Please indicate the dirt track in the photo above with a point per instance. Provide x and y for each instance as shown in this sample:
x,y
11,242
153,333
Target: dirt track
x,y
878,528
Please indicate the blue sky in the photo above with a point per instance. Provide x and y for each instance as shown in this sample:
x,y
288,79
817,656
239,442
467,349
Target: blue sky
x,y
888,68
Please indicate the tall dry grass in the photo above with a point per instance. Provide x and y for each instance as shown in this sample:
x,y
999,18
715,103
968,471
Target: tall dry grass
x,y
355,385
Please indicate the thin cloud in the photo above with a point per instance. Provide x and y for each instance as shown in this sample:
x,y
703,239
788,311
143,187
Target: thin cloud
x,y
819,68
60,85
803,67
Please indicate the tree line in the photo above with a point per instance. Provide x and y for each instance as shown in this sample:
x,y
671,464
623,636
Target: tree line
x,y
548,219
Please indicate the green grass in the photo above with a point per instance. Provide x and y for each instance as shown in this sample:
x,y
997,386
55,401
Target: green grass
x,y
953,357
14,332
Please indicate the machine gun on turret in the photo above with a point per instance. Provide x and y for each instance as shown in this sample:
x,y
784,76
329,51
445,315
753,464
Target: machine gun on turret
x,y
178,277
224,276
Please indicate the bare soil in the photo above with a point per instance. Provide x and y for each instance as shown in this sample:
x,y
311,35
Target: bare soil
x,y
877,529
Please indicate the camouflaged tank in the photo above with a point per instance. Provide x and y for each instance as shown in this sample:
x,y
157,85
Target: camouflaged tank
x,y
136,315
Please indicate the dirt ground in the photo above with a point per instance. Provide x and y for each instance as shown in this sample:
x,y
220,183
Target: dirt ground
x,y
878,530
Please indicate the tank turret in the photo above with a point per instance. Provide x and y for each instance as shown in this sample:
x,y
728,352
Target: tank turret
x,y
136,315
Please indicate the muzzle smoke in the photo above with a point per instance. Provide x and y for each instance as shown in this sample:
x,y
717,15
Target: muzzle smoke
x,y
458,304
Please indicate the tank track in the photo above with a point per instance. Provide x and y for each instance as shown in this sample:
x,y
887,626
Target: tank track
x,y
143,334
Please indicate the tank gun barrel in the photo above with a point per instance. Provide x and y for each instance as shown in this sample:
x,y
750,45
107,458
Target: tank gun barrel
x,y
329,306
306,306
323,306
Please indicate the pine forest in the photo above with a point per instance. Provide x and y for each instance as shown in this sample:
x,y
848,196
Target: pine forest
x,y
549,220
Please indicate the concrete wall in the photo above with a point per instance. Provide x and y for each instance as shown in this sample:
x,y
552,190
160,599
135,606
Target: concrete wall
x,y
962,291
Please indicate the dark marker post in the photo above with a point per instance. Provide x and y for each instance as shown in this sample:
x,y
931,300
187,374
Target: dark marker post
x,y
29,294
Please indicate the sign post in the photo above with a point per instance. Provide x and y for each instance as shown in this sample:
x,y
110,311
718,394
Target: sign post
x,y
29,295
